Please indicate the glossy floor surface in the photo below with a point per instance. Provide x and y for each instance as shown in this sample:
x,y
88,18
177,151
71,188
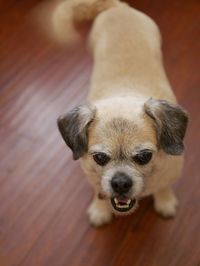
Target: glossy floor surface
x,y
43,192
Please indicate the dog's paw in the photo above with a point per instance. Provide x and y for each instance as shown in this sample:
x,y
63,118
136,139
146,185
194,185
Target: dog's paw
x,y
166,207
99,213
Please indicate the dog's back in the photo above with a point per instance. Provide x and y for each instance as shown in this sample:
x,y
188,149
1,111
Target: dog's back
x,y
130,38
132,42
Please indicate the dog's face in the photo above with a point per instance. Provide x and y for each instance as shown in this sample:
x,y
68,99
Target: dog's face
x,y
119,141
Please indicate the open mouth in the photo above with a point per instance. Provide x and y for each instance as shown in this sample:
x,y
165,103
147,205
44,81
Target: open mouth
x,y
122,203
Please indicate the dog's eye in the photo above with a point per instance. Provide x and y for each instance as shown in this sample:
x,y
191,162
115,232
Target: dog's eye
x,y
101,158
143,158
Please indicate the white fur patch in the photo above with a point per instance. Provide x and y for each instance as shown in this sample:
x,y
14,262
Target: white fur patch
x,y
99,212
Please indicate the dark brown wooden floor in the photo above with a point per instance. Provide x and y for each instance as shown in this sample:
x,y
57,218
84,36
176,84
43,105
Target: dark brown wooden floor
x,y
43,192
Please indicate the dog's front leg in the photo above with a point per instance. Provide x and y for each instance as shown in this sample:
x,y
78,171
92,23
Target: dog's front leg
x,y
165,202
99,212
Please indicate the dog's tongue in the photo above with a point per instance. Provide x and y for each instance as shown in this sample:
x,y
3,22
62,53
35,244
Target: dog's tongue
x,y
122,199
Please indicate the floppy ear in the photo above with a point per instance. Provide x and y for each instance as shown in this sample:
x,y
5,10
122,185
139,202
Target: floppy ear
x,y
73,127
171,122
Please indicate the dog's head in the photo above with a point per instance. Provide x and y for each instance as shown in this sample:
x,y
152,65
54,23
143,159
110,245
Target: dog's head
x,y
119,142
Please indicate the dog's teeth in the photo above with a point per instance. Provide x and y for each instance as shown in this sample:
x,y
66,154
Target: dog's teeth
x,y
115,200
122,206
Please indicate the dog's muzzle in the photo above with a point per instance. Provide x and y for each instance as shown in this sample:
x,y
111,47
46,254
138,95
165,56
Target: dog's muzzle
x,y
121,185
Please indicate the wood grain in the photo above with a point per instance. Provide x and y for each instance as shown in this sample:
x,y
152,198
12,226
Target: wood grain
x,y
43,192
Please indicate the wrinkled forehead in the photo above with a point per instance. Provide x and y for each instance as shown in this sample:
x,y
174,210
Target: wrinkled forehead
x,y
122,137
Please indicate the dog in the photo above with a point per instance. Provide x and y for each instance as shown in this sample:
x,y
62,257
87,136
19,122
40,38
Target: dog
x,y
129,135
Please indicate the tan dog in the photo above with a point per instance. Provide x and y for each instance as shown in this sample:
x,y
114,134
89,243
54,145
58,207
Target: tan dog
x,y
129,136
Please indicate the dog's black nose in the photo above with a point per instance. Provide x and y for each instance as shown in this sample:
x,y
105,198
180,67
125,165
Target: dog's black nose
x,y
121,183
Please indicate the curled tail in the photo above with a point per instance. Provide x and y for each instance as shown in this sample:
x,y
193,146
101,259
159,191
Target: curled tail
x,y
68,12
